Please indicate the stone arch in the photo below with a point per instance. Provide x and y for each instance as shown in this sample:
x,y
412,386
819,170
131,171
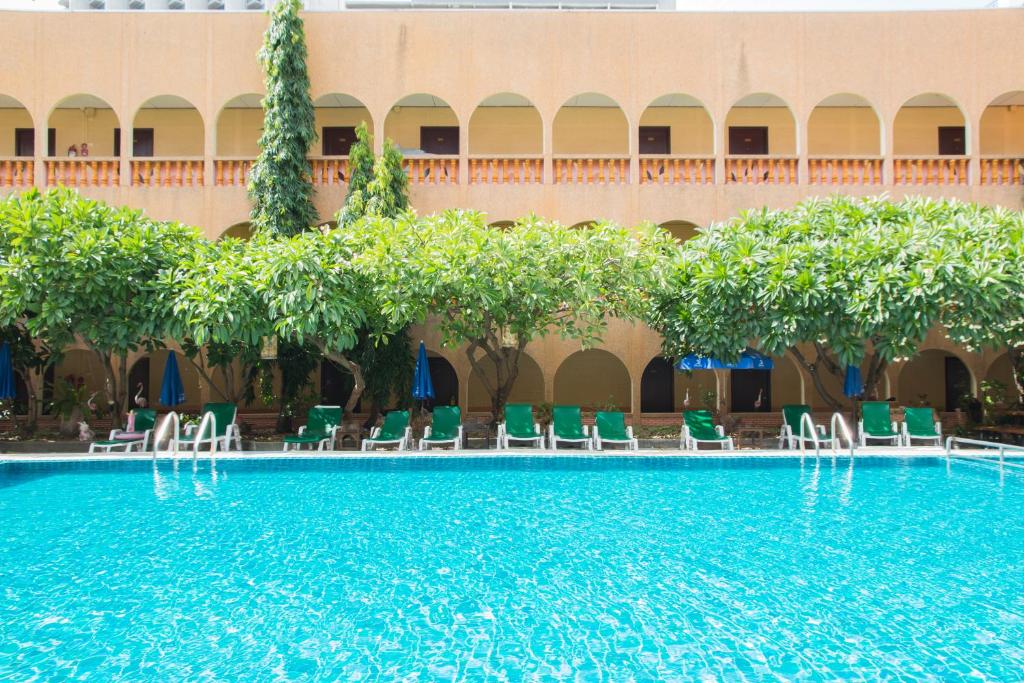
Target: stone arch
x,y
918,124
412,119
148,370
930,379
681,230
238,127
845,124
445,379
506,123
593,378
14,119
85,118
528,387
1001,370
337,115
242,231
687,122
1001,131
177,125
590,123
763,110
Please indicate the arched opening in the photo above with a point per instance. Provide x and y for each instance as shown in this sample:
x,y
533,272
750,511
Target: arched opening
x,y
999,378
336,386
84,126
844,124
242,231
1001,140
506,123
935,378
167,126
444,379
594,379
658,386
676,124
337,116
761,124
681,230
583,224
423,124
528,387
17,131
930,124
145,379
239,125
590,124
502,225
696,390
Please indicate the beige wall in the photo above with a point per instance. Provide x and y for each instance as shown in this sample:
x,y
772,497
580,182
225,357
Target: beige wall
x,y
781,127
75,126
691,128
593,379
916,129
1002,130
403,126
506,130
590,130
924,379
339,116
844,130
176,132
528,388
238,132
10,119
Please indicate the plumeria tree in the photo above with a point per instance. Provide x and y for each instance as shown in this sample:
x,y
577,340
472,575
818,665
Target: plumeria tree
x,y
834,282
79,270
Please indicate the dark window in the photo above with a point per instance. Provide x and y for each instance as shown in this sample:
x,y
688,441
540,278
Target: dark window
x,y
745,140
117,142
24,142
655,140
336,386
446,382
751,391
142,142
139,376
439,139
657,387
952,140
337,140
958,383
51,142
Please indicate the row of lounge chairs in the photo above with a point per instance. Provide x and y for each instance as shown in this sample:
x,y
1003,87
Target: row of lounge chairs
x,y
520,427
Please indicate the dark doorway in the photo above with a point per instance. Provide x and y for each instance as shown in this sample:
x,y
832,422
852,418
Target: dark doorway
x,y
746,140
24,142
51,142
952,140
751,391
337,140
439,139
446,383
655,140
139,376
336,386
657,387
142,142
958,382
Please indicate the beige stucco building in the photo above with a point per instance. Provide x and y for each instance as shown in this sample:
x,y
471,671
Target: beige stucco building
x,y
677,118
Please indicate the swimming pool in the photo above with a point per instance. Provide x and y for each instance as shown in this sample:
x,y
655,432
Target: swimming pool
x,y
511,568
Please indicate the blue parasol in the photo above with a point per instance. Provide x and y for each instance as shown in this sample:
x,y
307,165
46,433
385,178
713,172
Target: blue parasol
x,y
748,360
172,391
422,386
6,373
853,385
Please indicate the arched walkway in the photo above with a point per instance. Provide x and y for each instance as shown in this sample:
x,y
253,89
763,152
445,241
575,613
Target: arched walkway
x,y
676,124
935,378
930,124
239,124
167,126
17,131
146,376
844,124
528,387
1001,372
594,379
506,123
1001,139
760,124
242,231
85,119
423,124
590,124
681,230
337,115
445,380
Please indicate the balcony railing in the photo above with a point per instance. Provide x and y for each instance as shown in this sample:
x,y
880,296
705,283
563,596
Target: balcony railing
x,y
944,170
17,172
160,172
232,171
432,170
83,171
329,170
844,170
506,170
605,170
677,170
1002,171
761,170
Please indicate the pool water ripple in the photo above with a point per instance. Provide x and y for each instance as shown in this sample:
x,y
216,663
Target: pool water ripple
x,y
512,569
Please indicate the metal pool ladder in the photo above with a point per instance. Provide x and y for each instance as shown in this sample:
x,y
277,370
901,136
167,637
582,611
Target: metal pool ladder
x,y
1001,448
209,421
839,421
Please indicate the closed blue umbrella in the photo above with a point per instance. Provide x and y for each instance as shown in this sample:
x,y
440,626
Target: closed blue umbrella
x,y
748,360
172,391
422,386
853,385
6,373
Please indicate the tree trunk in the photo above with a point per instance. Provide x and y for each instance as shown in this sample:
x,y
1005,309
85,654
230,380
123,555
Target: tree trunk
x,y
358,383
115,387
207,377
876,370
1017,371
505,360
813,370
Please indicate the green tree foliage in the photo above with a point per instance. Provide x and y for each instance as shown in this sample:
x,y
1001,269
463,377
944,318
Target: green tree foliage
x,y
280,186
80,270
840,280
360,164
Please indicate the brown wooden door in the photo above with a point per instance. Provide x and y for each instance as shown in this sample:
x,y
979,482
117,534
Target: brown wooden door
x,y
439,139
747,140
952,140
655,140
142,142
24,142
751,391
337,140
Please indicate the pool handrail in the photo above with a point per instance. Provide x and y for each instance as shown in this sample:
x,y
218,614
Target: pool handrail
x,y
208,419
1002,447
806,421
840,421
161,432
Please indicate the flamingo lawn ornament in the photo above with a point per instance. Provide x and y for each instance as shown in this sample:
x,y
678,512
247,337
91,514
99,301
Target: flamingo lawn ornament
x,y
140,400
686,399
757,403
91,404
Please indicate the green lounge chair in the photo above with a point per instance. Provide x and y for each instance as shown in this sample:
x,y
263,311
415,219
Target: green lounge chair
x,y
322,424
224,432
876,423
699,427
794,427
567,427
394,432
141,432
519,425
445,428
610,427
920,423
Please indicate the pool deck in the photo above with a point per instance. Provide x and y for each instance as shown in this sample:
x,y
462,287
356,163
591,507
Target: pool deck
x,y
871,451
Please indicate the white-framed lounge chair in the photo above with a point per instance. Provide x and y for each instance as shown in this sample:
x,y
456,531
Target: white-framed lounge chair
x,y
793,427
519,426
322,424
699,427
225,430
394,432
610,428
876,423
567,427
445,428
141,423
920,423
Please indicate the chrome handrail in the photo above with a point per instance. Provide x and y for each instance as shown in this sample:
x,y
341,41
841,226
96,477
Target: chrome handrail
x,y
838,419
1002,447
161,432
805,419
208,419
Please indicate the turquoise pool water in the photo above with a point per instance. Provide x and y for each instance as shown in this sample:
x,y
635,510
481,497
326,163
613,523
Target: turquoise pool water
x,y
607,569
